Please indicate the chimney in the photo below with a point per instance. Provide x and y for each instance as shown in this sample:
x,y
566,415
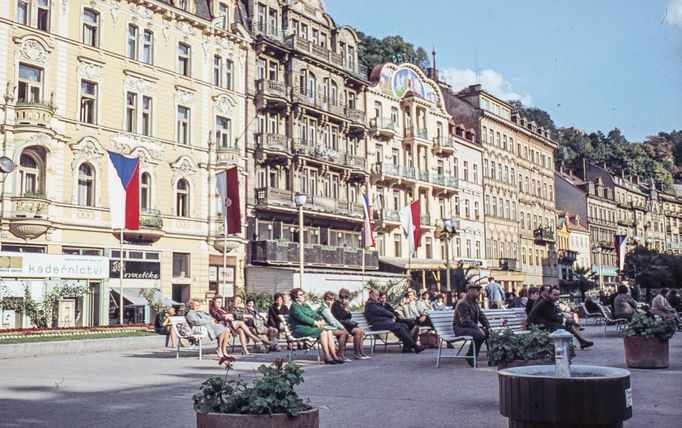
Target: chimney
x,y
584,169
622,174
434,71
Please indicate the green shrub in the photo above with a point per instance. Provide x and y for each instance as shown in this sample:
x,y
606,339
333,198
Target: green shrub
x,y
272,393
643,325
505,346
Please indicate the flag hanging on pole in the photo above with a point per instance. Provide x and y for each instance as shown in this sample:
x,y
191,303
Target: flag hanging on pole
x,y
410,221
228,188
619,242
368,236
124,191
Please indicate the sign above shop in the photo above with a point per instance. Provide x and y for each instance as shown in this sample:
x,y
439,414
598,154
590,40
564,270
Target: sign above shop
x,y
135,270
35,265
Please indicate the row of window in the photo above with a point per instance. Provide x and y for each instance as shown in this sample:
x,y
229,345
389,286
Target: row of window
x,y
462,248
499,140
139,109
536,223
500,208
32,177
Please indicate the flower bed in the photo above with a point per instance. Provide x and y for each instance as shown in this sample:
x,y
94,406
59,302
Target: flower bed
x,y
73,331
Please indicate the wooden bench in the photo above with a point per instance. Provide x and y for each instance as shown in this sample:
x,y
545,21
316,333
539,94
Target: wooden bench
x,y
442,324
198,335
609,320
372,335
307,342
501,319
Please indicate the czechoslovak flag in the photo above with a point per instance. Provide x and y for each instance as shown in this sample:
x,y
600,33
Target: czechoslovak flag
x,y
619,243
124,191
367,235
227,183
410,221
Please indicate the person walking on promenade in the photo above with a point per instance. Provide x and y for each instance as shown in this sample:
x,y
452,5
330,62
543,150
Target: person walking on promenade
x,y
495,294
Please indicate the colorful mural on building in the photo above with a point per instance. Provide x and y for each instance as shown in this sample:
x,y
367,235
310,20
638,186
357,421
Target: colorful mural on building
x,y
398,81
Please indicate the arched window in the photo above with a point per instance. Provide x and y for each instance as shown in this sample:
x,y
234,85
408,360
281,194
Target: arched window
x,y
32,172
145,191
182,198
86,185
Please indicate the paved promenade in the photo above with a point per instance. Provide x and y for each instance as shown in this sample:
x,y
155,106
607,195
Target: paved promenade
x,y
151,388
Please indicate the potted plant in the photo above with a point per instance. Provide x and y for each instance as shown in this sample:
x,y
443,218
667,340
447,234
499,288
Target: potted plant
x,y
507,349
646,342
269,401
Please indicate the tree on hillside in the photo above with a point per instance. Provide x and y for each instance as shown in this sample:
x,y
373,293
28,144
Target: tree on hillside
x,y
374,51
533,114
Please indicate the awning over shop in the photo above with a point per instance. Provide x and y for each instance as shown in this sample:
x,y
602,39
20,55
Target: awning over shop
x,y
133,297
413,264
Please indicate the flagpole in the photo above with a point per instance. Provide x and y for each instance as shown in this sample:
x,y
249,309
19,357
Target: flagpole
x,y
224,257
120,278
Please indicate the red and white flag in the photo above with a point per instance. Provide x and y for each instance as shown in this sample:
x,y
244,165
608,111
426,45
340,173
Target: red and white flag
x,y
367,235
228,188
410,221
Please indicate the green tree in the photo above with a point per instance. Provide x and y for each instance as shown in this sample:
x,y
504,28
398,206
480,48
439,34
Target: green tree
x,y
374,51
533,114
649,268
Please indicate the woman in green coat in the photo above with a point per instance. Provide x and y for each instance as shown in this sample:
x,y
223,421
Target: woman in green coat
x,y
306,323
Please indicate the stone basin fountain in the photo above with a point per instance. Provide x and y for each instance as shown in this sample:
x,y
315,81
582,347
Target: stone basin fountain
x,y
565,395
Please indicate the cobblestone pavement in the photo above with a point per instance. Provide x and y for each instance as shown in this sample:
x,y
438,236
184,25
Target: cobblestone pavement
x,y
151,388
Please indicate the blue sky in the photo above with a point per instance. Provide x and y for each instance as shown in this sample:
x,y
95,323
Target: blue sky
x,y
594,65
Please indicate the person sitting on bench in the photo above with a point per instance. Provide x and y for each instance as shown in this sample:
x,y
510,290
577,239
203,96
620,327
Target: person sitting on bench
x,y
381,318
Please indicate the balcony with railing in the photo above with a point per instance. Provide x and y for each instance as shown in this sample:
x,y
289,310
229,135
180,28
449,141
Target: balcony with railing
x,y
30,217
383,126
453,182
567,257
386,172
408,172
438,179
356,117
423,176
271,196
272,143
444,145
266,30
425,219
287,253
388,215
315,151
510,264
271,93
418,133
543,235
33,114
151,228
355,162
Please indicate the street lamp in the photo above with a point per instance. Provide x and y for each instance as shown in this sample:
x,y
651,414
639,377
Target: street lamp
x,y
598,250
6,166
300,200
448,230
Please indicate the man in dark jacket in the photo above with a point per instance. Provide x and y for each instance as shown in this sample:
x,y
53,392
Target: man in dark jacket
x,y
547,314
466,319
381,318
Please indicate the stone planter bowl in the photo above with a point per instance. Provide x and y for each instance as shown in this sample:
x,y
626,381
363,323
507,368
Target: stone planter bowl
x,y
307,419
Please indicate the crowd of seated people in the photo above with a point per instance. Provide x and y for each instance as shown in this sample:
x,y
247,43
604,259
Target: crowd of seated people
x,y
332,323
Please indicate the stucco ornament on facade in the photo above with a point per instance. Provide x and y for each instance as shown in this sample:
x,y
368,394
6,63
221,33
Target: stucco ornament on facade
x,y
89,71
128,143
184,167
224,104
143,12
185,28
224,44
184,98
139,85
87,150
31,50
41,139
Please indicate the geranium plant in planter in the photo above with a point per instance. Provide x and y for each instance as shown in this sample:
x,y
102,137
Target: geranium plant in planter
x,y
646,342
507,349
269,401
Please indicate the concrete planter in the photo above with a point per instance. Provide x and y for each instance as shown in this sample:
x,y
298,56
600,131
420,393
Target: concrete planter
x,y
645,352
307,419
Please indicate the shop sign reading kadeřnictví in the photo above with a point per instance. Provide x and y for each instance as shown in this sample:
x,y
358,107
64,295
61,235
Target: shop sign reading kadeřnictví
x,y
37,265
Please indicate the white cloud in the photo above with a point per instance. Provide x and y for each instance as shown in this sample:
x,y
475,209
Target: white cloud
x,y
673,13
491,80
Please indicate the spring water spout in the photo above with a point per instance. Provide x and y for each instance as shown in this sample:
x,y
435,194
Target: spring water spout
x,y
562,358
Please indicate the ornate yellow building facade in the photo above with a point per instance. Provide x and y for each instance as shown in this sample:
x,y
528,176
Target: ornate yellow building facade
x,y
160,82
